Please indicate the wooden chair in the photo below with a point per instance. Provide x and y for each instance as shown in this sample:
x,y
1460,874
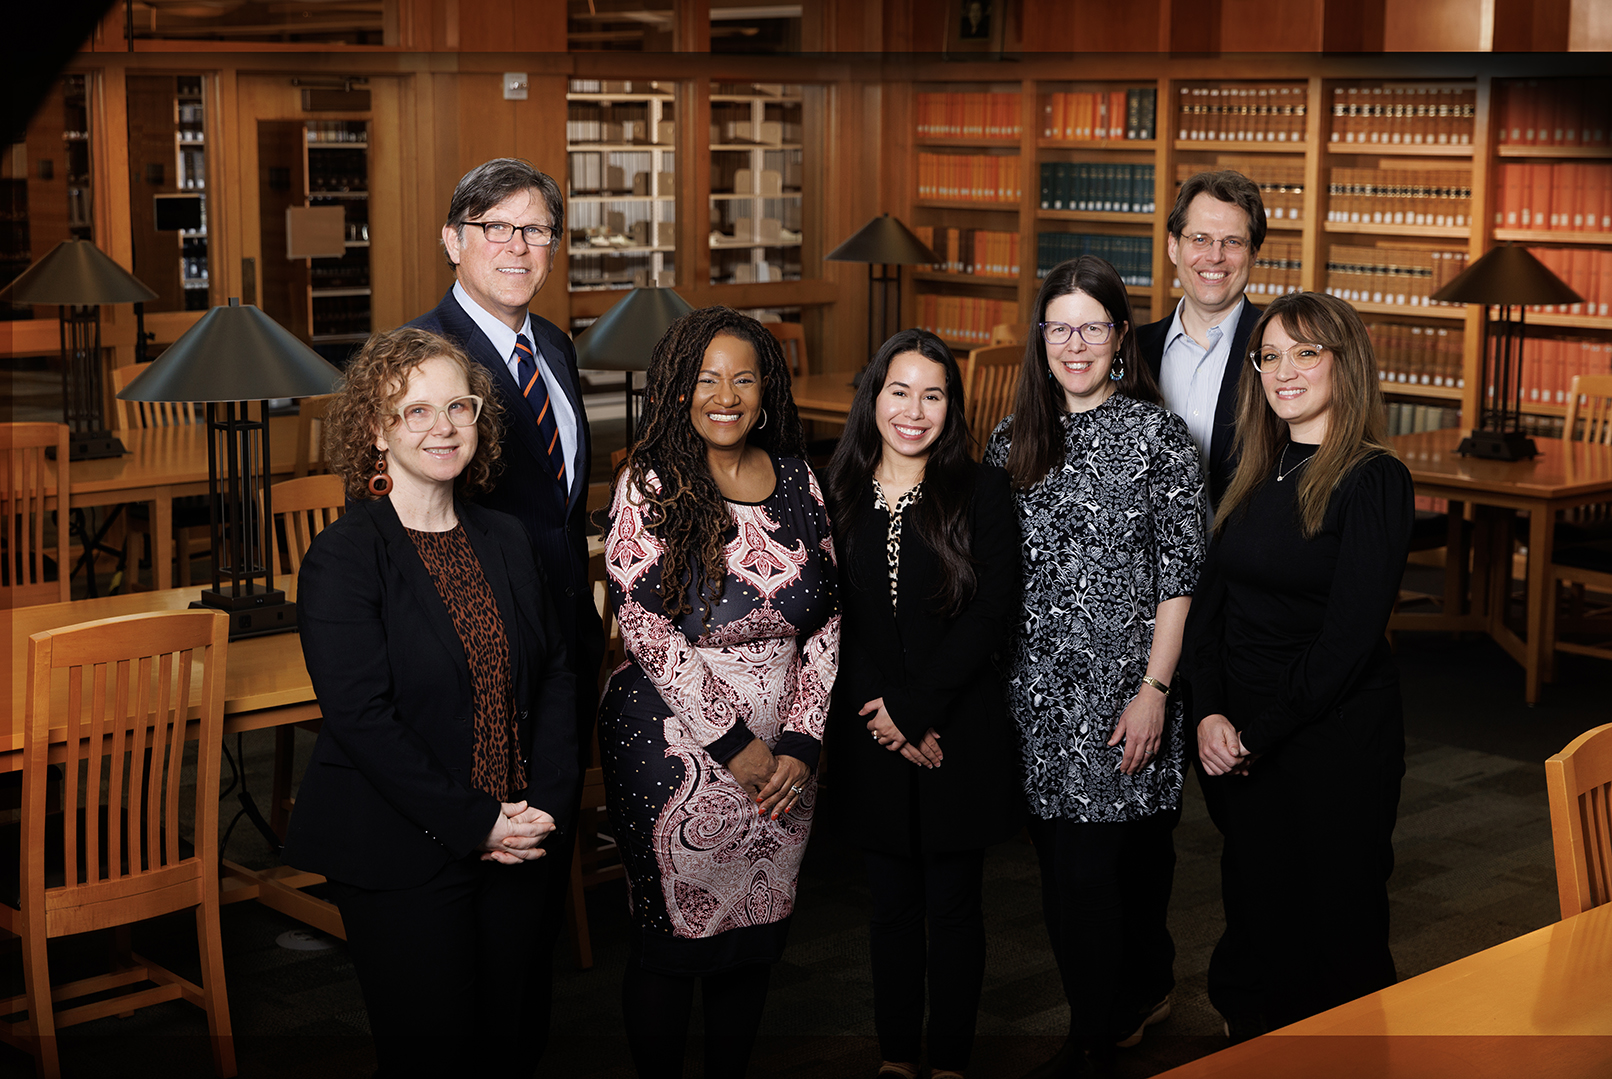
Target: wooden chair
x,y
303,508
123,688
310,458
990,381
192,534
792,339
35,562
1578,782
138,415
1582,556
1010,333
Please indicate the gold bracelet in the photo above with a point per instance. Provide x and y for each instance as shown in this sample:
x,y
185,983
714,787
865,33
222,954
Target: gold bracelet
x,y
1149,680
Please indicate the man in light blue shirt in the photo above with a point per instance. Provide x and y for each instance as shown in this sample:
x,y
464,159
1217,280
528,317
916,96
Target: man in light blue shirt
x,y
1215,232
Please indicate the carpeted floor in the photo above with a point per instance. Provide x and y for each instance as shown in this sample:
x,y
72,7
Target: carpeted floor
x,y
1474,869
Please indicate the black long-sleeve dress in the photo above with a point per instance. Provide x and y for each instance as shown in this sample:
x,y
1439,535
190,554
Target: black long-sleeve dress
x,y
1285,638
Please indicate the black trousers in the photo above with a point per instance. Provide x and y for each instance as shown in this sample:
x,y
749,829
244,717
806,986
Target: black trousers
x,y
927,921
1105,895
455,973
1305,866
657,1009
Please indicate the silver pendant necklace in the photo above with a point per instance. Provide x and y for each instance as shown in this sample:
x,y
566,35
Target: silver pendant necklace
x,y
1280,475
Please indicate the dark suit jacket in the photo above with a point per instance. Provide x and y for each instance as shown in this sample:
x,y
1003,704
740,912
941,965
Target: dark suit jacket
x,y
525,489
932,672
1150,339
386,801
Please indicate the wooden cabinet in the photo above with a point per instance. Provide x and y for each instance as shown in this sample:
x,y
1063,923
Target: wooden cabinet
x,y
621,206
757,182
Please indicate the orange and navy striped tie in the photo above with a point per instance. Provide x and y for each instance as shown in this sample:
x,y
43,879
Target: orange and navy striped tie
x,y
537,399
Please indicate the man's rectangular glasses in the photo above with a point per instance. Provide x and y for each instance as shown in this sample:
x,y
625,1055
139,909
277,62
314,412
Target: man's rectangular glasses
x,y
501,232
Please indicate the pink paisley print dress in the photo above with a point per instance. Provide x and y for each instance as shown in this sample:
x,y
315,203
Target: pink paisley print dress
x,y
712,884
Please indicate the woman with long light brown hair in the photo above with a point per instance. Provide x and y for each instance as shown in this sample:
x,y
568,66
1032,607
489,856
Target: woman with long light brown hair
x,y
1294,692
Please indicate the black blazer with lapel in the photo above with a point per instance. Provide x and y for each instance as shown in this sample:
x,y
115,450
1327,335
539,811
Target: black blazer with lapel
x,y
1150,339
932,671
386,801
525,489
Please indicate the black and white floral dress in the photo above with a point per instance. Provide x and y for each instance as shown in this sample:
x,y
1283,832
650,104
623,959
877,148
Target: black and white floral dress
x,y
1110,534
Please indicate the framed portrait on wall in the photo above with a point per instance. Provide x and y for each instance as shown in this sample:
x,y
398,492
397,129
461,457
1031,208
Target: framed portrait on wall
x,y
974,27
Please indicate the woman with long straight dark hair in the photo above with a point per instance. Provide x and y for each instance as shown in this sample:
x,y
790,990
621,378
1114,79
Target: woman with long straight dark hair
x,y
924,775
1110,500
1295,693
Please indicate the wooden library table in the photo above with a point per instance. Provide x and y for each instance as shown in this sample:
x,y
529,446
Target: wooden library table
x,y
1562,476
826,397
265,685
163,463
1534,1006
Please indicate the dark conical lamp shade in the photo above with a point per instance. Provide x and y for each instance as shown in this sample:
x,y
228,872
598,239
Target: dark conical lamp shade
x,y
624,337
79,274
1507,275
234,353
883,240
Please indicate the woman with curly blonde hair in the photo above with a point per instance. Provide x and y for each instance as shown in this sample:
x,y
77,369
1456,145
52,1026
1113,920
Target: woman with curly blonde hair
x,y
449,742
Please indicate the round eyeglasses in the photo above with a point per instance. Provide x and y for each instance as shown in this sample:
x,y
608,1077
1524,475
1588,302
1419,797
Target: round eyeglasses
x,y
1093,333
501,232
420,416
1267,358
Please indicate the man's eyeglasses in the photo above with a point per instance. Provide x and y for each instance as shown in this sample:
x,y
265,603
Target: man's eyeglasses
x,y
1268,358
420,416
1202,241
501,232
1093,333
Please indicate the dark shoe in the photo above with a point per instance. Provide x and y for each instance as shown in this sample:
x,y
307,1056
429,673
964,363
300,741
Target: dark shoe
x,y
892,1069
1156,1014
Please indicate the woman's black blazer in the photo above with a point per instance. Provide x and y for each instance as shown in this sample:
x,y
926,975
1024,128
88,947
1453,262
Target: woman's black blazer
x,y
932,671
386,801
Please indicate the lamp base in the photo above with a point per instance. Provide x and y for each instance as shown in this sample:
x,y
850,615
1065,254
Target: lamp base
x,y
1497,446
90,446
255,615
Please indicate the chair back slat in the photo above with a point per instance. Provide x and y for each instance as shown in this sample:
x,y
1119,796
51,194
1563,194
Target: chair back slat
x,y
128,694
1589,409
991,381
304,507
1578,783
791,338
141,415
310,457
34,542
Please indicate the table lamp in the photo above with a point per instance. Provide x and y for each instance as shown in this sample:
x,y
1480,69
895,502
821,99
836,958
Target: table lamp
x,y
78,277
235,355
883,242
1506,277
624,337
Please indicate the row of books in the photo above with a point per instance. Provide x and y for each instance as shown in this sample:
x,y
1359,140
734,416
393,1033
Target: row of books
x,y
1403,115
1571,196
980,252
1587,270
1408,418
1438,197
1132,256
1099,115
1392,275
1276,269
1281,186
965,319
968,116
1417,355
1098,186
1243,112
970,177
1558,112
619,122
1549,364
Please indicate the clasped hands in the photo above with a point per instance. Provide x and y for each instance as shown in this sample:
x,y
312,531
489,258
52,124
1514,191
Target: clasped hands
x,y
774,780
517,835
1221,748
925,754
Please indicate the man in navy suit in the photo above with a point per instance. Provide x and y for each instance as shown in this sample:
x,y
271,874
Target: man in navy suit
x,y
505,223
504,226
1198,353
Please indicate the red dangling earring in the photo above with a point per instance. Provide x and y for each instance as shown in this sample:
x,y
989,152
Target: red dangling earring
x,y
380,483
